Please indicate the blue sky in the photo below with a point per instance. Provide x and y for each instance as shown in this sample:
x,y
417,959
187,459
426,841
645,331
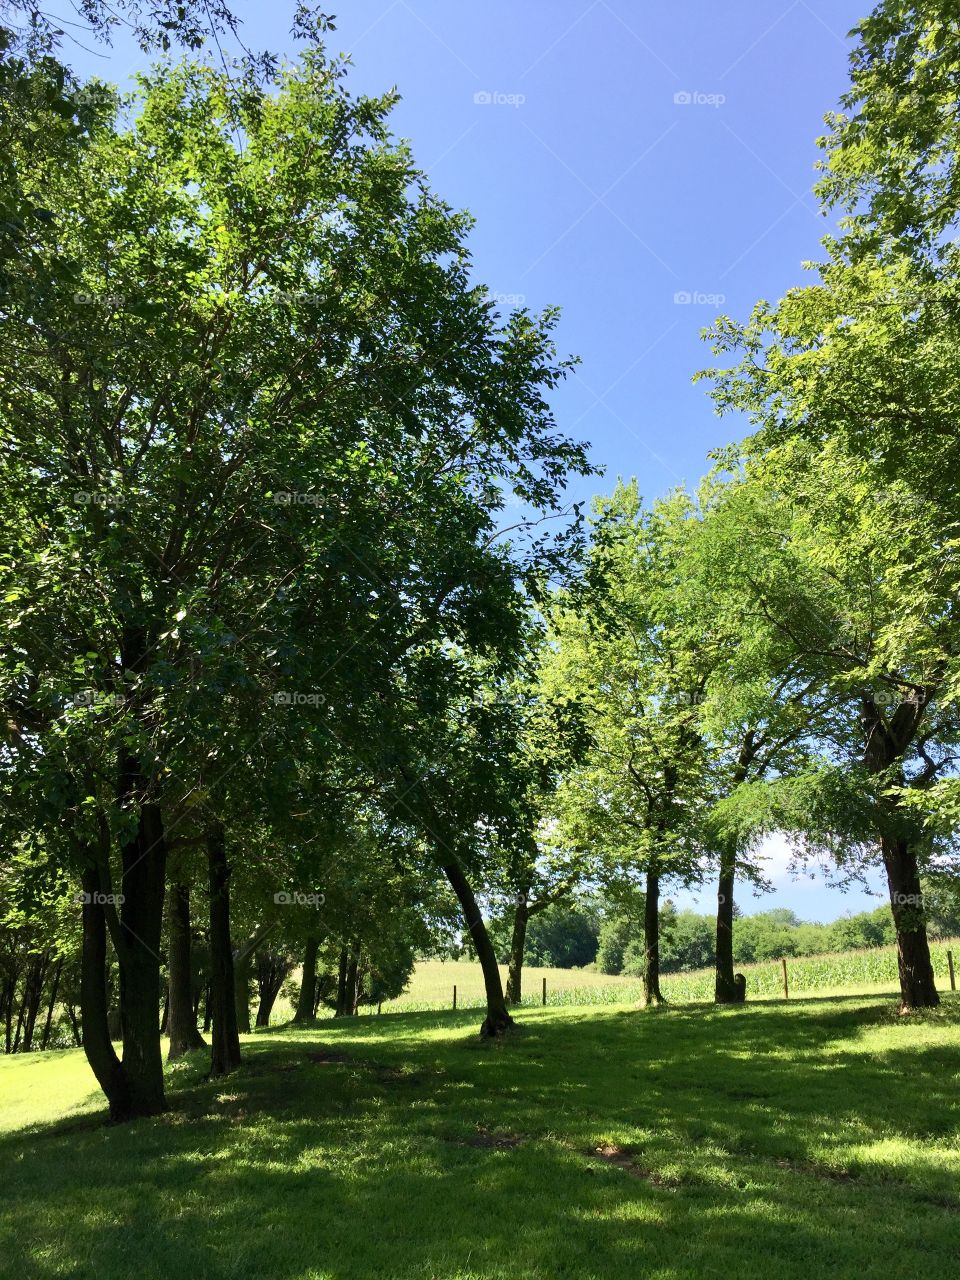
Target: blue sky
x,y
618,155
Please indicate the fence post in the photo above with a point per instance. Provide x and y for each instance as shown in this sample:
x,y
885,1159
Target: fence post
x,y
786,989
454,996
544,991
953,980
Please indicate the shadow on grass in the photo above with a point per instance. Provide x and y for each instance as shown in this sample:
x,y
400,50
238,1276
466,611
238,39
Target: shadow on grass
x,y
766,1139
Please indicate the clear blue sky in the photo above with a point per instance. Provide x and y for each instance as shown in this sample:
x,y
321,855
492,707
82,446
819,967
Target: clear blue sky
x,y
595,189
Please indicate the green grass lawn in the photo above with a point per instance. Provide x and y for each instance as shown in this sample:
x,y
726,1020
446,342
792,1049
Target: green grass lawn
x,y
776,1141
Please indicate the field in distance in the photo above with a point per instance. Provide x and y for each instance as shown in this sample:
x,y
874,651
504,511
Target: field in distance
x,y
871,970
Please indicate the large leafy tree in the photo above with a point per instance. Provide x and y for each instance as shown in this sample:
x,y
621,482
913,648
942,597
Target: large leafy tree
x,y
258,431
860,582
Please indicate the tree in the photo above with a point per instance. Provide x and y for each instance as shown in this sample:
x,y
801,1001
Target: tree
x,y
639,679
861,581
891,156
206,511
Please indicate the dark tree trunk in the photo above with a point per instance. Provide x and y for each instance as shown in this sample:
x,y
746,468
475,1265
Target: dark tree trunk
x,y
225,1055
514,993
342,972
52,1003
207,1009
917,987
651,940
32,997
272,969
184,1035
326,985
97,1045
74,1025
353,981
885,742
307,999
726,989
9,994
498,1019
143,861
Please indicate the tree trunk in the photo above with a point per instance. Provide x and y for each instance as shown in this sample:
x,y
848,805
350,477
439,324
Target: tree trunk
x,y
306,1000
32,996
326,985
514,994
498,1019
342,972
353,981
182,1020
242,965
225,1055
651,939
74,1025
53,1000
143,861
9,994
97,1046
725,989
885,742
272,968
917,987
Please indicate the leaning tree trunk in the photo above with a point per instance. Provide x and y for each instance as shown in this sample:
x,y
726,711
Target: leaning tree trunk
x,y
97,1045
917,987
726,990
498,1019
143,862
651,940
182,1020
306,1000
518,941
225,1055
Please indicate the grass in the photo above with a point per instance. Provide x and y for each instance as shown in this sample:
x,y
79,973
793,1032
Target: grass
x,y
815,1138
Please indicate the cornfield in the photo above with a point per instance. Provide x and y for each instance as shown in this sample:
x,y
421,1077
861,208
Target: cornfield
x,y
845,971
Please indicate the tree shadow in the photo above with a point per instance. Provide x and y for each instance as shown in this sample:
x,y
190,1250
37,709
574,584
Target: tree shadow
x,y
783,1141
